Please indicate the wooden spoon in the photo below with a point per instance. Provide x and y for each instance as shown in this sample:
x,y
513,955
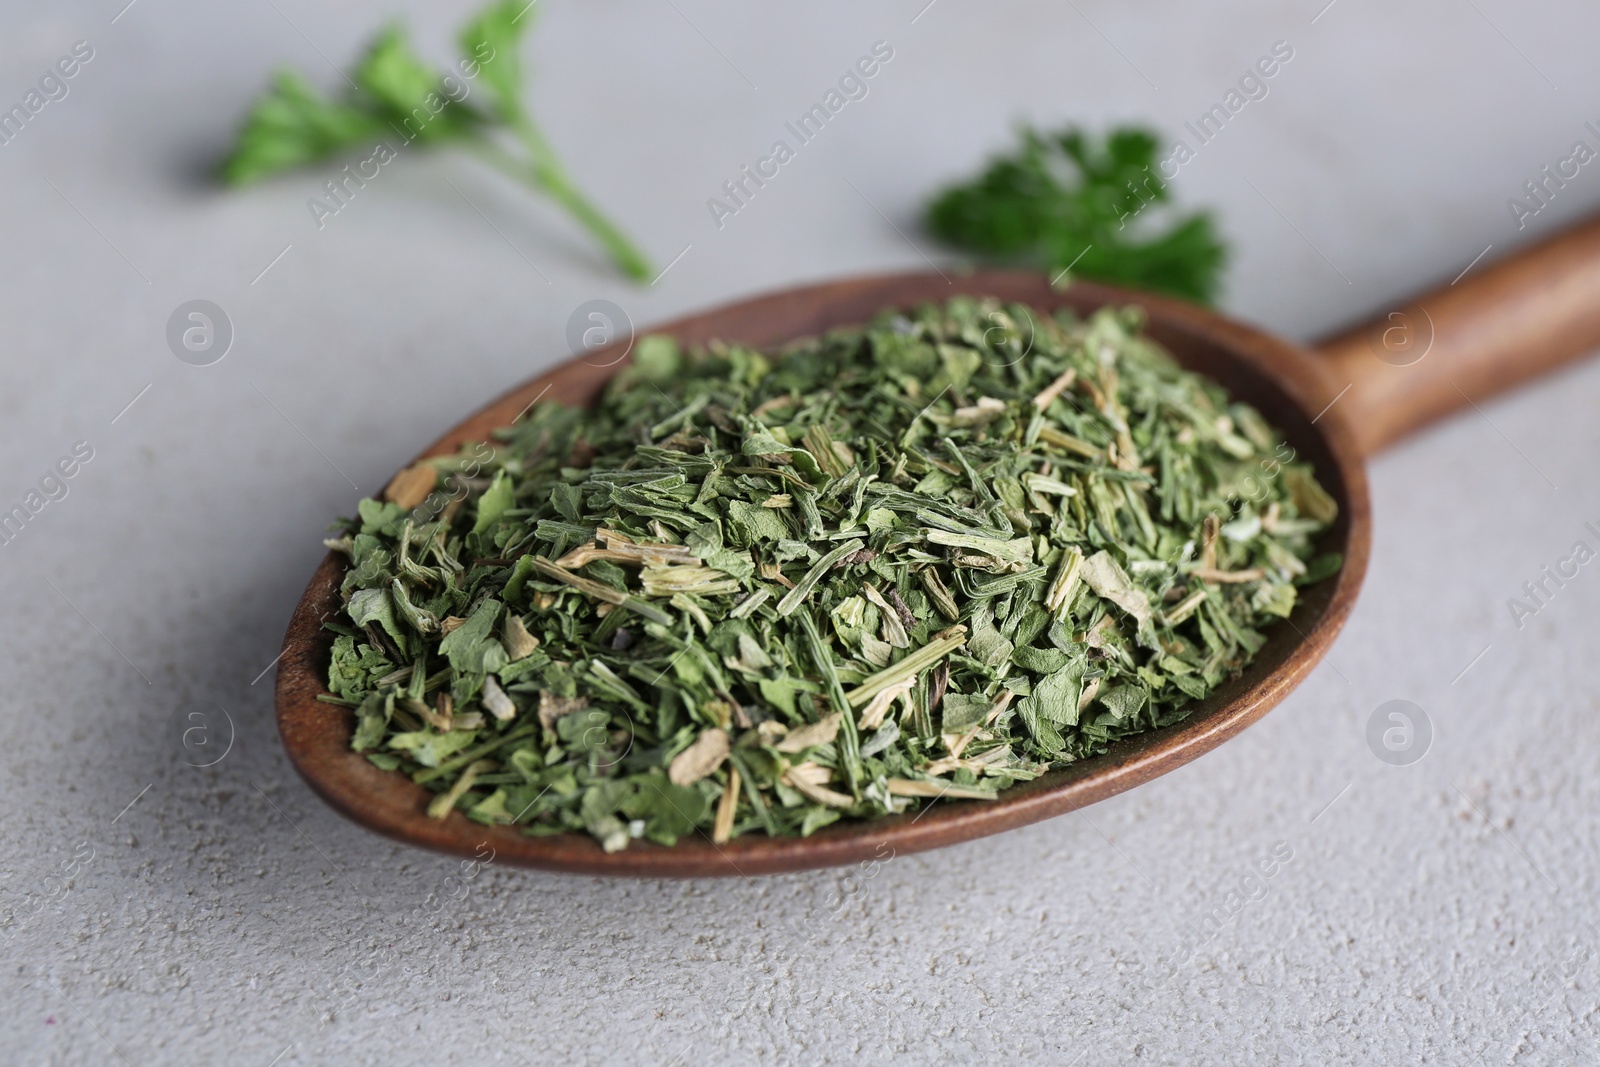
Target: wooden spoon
x,y
1356,394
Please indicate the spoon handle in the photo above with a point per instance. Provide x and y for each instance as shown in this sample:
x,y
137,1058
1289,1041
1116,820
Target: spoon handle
x,y
1494,327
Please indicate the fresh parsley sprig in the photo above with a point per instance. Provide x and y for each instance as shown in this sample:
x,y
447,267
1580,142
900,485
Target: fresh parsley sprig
x,y
394,92
1062,201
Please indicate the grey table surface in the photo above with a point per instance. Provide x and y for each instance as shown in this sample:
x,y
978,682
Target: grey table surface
x,y
154,912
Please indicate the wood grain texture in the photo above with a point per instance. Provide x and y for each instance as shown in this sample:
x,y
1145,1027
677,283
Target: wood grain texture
x,y
1499,325
1283,381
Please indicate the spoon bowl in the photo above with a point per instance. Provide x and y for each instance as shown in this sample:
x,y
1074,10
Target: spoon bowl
x,y
1279,379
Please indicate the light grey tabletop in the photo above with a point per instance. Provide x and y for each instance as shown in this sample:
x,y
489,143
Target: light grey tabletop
x,y
158,913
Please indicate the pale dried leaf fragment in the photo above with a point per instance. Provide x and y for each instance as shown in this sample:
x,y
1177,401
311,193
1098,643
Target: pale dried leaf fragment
x,y
941,596
1059,597
700,758
443,804
583,554
1210,574
994,757
894,630
495,699
750,603
1208,541
1310,499
752,658
667,579
915,787
1102,633
450,624
1044,485
940,767
1049,393
552,707
807,779
816,733
1110,581
722,828
664,549
877,708
987,409
411,486
1052,436
774,573
518,641
439,720
979,764
619,548
910,666
394,677
960,744
1185,607
600,591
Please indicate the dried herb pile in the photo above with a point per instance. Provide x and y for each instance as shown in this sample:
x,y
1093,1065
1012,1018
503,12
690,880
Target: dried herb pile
x,y
757,593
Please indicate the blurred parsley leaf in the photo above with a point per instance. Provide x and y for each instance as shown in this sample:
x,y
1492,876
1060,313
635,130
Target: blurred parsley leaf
x,y
398,85
491,41
1062,200
395,95
293,125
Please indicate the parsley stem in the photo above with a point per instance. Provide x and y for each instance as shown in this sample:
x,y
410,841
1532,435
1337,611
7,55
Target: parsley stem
x,y
544,173
472,754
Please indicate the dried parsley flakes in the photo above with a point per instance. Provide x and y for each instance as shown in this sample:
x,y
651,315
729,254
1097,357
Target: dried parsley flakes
x,y
757,593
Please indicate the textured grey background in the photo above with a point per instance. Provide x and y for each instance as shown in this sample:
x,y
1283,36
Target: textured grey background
x,y
1438,912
